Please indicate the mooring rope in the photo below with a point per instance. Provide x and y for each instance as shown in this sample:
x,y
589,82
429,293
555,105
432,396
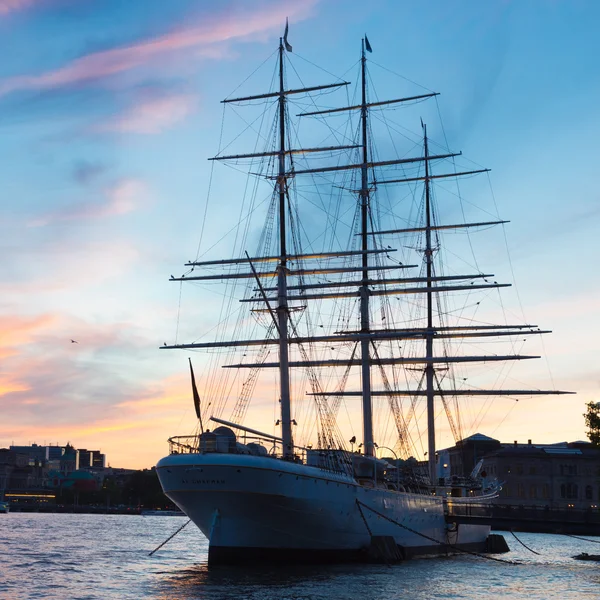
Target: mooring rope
x,y
363,518
169,538
508,562
580,538
522,544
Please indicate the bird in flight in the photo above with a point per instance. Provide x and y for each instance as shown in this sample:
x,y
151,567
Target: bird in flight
x,y
74,342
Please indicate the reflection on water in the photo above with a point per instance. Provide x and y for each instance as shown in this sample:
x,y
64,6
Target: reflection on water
x,y
58,557
308,581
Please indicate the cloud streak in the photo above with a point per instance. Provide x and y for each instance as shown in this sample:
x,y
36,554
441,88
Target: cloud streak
x,y
150,116
43,365
87,393
213,30
16,330
123,197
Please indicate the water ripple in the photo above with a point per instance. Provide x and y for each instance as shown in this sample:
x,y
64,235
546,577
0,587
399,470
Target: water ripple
x,y
92,557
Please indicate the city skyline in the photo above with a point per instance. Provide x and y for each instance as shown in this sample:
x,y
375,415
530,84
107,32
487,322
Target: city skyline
x,y
105,135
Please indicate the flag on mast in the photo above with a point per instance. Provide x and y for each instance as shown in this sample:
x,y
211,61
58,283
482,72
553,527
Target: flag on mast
x,y
196,396
367,45
288,47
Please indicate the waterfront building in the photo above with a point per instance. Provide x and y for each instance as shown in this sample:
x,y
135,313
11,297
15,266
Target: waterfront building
x,y
17,472
557,476
460,460
55,452
86,458
35,453
69,461
9,461
98,460
36,466
91,459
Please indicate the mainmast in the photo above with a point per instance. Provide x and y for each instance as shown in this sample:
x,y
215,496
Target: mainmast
x,y
282,303
364,288
429,369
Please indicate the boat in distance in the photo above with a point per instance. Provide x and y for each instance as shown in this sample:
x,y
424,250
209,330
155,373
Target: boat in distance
x,y
334,317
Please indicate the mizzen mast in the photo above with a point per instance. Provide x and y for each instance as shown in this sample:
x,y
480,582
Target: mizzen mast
x,y
367,407
429,369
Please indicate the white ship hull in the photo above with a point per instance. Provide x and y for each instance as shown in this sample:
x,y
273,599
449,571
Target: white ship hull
x,y
254,508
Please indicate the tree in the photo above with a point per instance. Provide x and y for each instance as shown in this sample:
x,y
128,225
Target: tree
x,y
592,421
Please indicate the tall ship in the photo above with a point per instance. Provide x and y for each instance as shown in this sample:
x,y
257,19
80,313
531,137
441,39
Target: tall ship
x,y
344,302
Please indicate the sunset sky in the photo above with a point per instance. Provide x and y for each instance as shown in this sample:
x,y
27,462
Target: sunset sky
x,y
108,112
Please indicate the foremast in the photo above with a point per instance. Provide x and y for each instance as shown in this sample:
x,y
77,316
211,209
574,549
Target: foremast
x,y
281,271
282,303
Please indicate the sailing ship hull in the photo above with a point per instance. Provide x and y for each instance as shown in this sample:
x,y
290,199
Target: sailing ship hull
x,y
256,509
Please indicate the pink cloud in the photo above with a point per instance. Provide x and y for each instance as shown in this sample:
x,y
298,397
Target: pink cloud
x,y
217,29
8,6
123,197
87,393
153,115
16,330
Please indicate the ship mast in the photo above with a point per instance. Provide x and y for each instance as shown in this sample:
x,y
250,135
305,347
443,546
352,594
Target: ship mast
x,y
282,303
364,288
429,369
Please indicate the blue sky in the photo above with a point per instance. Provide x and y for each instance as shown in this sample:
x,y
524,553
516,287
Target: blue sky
x,y
108,111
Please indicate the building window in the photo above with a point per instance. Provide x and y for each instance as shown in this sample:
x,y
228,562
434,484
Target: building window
x,y
532,470
533,492
589,495
519,469
545,491
521,490
568,490
568,469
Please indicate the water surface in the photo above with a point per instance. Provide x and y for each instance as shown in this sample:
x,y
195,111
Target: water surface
x,y
64,557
